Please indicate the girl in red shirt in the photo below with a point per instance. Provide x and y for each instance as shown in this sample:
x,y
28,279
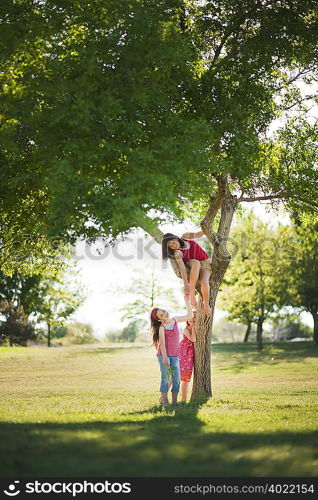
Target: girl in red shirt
x,y
188,254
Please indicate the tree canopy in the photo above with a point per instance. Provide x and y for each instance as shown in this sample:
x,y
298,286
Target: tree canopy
x,y
111,112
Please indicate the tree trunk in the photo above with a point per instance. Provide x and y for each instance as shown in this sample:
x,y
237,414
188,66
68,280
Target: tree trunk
x,y
259,333
315,336
202,388
11,343
248,331
49,335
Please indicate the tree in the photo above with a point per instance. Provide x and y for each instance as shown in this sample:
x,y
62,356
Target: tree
x,y
79,333
124,114
57,301
249,291
130,332
147,290
46,298
290,327
17,328
16,296
299,274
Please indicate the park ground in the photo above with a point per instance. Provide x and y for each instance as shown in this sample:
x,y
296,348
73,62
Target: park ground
x,y
93,411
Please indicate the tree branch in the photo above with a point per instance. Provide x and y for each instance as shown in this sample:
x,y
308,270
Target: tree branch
x,y
228,208
300,101
294,78
216,203
278,196
157,234
261,198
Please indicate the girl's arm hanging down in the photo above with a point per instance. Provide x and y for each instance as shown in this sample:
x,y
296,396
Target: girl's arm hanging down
x,y
162,344
190,333
192,236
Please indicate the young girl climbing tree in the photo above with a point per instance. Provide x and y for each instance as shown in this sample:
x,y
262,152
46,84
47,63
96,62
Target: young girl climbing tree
x,y
190,255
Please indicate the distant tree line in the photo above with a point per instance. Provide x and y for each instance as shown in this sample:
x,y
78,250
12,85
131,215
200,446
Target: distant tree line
x,y
272,270
49,297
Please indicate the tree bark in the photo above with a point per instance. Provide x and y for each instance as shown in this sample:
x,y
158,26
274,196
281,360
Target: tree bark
x,y
248,331
315,332
259,333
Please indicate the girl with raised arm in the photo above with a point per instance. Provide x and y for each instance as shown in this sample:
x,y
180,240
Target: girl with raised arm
x,y
165,335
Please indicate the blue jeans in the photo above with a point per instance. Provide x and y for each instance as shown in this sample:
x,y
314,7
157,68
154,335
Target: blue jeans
x,y
174,363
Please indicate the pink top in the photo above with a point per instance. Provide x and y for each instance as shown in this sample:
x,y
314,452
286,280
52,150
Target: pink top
x,y
172,341
194,252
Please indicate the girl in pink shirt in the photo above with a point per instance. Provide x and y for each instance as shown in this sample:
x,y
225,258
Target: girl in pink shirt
x,y
188,254
165,335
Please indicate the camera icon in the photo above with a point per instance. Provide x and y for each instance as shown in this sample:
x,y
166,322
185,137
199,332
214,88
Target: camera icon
x,y
12,489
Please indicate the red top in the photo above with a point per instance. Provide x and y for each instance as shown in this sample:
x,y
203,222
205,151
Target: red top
x,y
194,252
171,340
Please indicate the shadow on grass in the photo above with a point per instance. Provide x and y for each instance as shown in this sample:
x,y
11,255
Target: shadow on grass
x,y
243,355
104,350
173,443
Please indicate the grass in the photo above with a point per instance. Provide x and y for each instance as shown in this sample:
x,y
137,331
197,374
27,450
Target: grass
x,y
93,411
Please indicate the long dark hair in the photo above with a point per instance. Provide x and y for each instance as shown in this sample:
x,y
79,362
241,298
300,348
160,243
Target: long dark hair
x,y
154,330
167,252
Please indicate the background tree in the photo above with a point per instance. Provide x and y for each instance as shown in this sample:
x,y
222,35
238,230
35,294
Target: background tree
x,y
116,113
79,333
16,328
299,272
130,332
290,327
44,298
17,299
249,291
57,301
147,291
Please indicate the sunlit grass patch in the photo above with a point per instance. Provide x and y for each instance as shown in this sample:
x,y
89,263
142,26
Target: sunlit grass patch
x,y
93,410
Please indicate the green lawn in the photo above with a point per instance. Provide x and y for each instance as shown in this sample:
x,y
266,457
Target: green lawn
x,y
92,411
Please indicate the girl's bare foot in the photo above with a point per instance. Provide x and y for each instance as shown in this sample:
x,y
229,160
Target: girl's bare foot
x,y
208,310
163,402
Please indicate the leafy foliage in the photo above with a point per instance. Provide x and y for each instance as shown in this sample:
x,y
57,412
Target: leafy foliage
x,y
299,273
111,111
41,297
249,291
147,291
17,328
79,333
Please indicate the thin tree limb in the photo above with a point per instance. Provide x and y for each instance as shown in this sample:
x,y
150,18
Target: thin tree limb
x,y
278,196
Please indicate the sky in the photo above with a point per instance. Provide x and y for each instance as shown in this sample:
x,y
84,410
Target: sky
x,y
107,272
